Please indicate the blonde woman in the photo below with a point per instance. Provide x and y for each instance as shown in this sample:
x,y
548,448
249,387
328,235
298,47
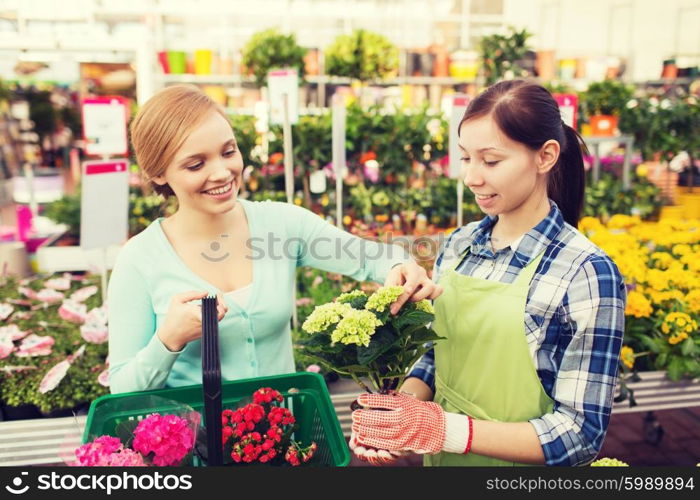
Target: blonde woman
x,y
244,252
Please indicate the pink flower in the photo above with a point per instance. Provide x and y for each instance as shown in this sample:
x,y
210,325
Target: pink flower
x,y
305,301
6,346
169,438
84,293
34,345
98,451
103,378
58,283
95,334
126,458
13,332
5,311
49,296
313,369
72,311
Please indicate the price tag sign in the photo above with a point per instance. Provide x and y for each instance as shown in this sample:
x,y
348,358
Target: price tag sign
x,y
568,107
459,106
104,210
283,82
104,126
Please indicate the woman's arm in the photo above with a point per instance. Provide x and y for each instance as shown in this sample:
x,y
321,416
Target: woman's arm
x,y
593,314
138,360
325,247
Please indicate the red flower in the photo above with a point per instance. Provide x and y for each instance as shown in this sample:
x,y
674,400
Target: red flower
x,y
365,157
266,395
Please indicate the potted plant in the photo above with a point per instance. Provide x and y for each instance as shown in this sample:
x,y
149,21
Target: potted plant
x,y
603,102
502,55
362,55
271,49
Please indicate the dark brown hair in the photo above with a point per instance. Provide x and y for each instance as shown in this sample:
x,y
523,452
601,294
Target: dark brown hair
x,y
527,113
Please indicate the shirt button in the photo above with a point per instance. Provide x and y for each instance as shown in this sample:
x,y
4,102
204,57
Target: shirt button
x,y
250,340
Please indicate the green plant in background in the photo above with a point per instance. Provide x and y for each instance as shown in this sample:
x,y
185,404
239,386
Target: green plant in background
x,y
143,209
246,137
500,54
607,197
609,97
663,125
80,385
271,49
362,55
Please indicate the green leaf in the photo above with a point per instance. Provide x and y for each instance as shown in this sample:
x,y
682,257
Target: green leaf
x,y
423,335
412,318
688,347
649,343
382,340
675,368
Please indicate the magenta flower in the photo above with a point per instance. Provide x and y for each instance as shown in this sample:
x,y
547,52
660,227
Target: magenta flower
x,y
98,452
169,438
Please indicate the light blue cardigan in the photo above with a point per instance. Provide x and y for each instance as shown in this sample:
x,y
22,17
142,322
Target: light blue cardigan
x,y
255,341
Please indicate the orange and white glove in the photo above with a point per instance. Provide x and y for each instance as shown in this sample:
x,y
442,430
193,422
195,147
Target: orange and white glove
x,y
400,422
372,455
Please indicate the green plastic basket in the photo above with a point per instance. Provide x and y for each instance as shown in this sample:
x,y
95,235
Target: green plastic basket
x,y
309,401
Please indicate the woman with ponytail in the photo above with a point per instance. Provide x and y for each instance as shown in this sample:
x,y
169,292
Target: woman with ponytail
x,y
532,312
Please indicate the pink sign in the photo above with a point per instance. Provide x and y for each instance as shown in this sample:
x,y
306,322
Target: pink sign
x,y
105,167
568,106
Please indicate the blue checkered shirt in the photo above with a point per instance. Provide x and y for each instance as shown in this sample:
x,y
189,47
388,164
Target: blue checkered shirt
x,y
574,324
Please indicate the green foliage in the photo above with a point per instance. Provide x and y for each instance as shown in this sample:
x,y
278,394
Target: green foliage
x,y
80,384
607,197
143,209
393,348
608,97
500,54
271,49
362,55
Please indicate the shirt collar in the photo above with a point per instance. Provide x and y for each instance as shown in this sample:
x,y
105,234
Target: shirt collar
x,y
526,248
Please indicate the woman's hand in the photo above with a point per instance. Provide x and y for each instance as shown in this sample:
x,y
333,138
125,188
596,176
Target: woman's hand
x,y
183,321
417,285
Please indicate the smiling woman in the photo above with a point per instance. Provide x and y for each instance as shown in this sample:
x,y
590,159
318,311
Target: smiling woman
x,y
220,245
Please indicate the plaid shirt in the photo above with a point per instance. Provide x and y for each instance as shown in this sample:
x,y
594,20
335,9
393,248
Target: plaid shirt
x,y
574,323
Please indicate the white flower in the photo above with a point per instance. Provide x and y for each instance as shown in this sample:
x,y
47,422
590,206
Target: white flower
x,y
373,164
632,103
665,104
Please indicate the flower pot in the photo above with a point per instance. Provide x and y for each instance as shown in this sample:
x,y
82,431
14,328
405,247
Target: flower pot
x,y
605,125
177,62
21,412
661,176
202,62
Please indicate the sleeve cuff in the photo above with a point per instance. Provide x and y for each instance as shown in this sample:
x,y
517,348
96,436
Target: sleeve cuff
x,y
456,433
157,356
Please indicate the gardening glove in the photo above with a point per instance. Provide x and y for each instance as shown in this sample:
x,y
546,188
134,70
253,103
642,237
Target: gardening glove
x,y
372,455
399,422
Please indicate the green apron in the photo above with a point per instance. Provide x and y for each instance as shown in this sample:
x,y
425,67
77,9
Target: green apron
x,y
483,367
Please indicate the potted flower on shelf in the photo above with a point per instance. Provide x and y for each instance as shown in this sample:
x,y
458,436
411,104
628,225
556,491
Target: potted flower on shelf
x,y
271,49
603,102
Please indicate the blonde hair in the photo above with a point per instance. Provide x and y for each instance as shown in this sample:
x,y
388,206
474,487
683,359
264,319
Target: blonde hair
x,y
162,125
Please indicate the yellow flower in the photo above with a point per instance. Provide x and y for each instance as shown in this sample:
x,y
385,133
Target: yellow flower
x,y
675,339
638,305
621,221
587,224
662,260
356,327
627,356
681,250
347,220
678,325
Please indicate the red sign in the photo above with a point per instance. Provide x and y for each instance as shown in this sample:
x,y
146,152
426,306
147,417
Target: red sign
x,y
568,106
105,167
